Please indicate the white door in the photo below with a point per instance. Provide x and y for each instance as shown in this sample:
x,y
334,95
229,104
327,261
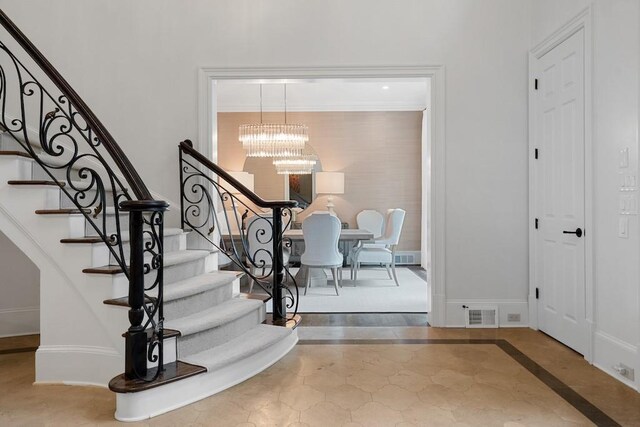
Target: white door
x,y
559,192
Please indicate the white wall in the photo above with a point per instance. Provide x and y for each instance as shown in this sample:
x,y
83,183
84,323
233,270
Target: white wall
x,y
616,58
136,63
20,301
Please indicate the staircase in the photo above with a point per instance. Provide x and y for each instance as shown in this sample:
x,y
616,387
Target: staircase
x,y
109,265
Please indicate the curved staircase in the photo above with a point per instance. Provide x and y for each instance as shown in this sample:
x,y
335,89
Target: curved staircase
x,y
110,265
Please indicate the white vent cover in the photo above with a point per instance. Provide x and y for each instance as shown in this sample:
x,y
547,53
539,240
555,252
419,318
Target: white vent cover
x,y
408,258
481,316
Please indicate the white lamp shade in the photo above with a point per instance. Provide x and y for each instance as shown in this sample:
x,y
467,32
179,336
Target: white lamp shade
x,y
245,179
330,182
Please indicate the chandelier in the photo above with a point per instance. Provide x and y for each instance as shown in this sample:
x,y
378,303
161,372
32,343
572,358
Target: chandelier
x,y
300,165
273,139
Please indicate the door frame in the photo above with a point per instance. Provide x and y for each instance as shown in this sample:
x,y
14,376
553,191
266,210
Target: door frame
x,y
433,165
582,21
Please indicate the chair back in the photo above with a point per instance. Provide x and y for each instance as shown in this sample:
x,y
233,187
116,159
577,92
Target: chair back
x,y
260,240
321,235
393,227
372,221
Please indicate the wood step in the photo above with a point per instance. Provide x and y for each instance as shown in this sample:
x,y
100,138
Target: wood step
x,y
90,239
67,211
35,182
291,322
262,297
172,372
15,153
105,269
124,301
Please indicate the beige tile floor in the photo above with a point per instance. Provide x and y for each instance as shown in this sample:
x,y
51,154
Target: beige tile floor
x,y
359,385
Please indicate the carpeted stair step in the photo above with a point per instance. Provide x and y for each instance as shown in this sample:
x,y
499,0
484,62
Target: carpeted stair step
x,y
251,342
197,293
216,325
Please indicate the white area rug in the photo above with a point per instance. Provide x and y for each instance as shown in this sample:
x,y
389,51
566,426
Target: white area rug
x,y
373,292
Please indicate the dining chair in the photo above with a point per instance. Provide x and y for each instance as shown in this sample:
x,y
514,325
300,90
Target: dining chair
x,y
321,234
385,254
259,236
372,221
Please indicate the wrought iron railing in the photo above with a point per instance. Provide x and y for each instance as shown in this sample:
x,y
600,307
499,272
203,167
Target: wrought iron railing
x,y
44,115
246,229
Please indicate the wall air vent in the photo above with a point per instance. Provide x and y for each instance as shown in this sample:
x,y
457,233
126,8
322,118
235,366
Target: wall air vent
x,y
408,258
481,316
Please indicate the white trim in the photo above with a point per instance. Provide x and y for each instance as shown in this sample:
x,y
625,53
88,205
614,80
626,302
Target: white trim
x,y
456,313
207,76
77,365
21,321
611,351
582,21
241,108
160,400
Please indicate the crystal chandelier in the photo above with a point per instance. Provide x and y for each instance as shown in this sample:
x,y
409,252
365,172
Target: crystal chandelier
x,y
300,165
273,139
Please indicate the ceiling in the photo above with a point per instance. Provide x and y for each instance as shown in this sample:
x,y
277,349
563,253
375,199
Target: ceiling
x,y
324,95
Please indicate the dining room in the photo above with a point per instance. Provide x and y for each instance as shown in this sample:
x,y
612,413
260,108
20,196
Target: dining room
x,y
355,239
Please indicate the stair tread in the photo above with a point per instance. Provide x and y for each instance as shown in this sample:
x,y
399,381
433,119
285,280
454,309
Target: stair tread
x,y
35,182
123,236
251,342
175,371
15,153
170,259
215,316
198,284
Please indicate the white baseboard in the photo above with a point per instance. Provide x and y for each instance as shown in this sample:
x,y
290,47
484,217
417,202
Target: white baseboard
x,y
455,312
19,321
609,351
78,365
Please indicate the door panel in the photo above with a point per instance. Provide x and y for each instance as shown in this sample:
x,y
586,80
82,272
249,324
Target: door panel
x,y
559,194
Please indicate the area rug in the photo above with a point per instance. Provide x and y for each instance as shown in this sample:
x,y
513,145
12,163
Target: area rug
x,y
373,292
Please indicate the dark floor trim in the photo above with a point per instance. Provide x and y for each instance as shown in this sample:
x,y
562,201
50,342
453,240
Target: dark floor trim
x,y
18,350
586,408
364,319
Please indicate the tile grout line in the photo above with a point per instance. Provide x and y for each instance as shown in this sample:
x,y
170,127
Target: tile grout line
x,y
573,398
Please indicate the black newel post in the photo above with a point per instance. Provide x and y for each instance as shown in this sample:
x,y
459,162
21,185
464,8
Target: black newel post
x,y
136,338
279,306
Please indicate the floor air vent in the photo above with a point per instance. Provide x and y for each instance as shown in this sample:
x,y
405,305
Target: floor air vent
x,y
482,317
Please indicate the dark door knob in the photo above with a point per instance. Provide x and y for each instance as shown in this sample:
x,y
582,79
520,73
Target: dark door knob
x,y
578,232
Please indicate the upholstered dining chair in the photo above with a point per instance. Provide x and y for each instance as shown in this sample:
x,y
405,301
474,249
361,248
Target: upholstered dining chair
x,y
260,245
372,221
321,234
383,251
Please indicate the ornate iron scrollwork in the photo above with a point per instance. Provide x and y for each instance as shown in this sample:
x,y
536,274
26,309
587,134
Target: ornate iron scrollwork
x,y
211,208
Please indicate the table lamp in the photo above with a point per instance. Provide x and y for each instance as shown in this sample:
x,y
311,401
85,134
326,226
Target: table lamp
x,y
330,183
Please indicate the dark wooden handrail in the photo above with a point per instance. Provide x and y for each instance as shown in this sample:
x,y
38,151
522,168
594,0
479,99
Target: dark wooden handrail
x,y
120,159
187,147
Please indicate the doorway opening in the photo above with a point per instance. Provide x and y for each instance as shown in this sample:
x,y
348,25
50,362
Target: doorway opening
x,y
363,140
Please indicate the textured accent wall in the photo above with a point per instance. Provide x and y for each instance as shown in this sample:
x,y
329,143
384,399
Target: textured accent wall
x,y
379,153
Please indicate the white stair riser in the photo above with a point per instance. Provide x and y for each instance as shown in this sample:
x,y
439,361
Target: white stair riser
x,y
101,255
198,302
209,338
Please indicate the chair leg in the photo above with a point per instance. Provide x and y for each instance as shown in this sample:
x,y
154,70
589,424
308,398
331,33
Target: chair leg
x,y
355,275
340,275
395,277
388,271
334,272
307,284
